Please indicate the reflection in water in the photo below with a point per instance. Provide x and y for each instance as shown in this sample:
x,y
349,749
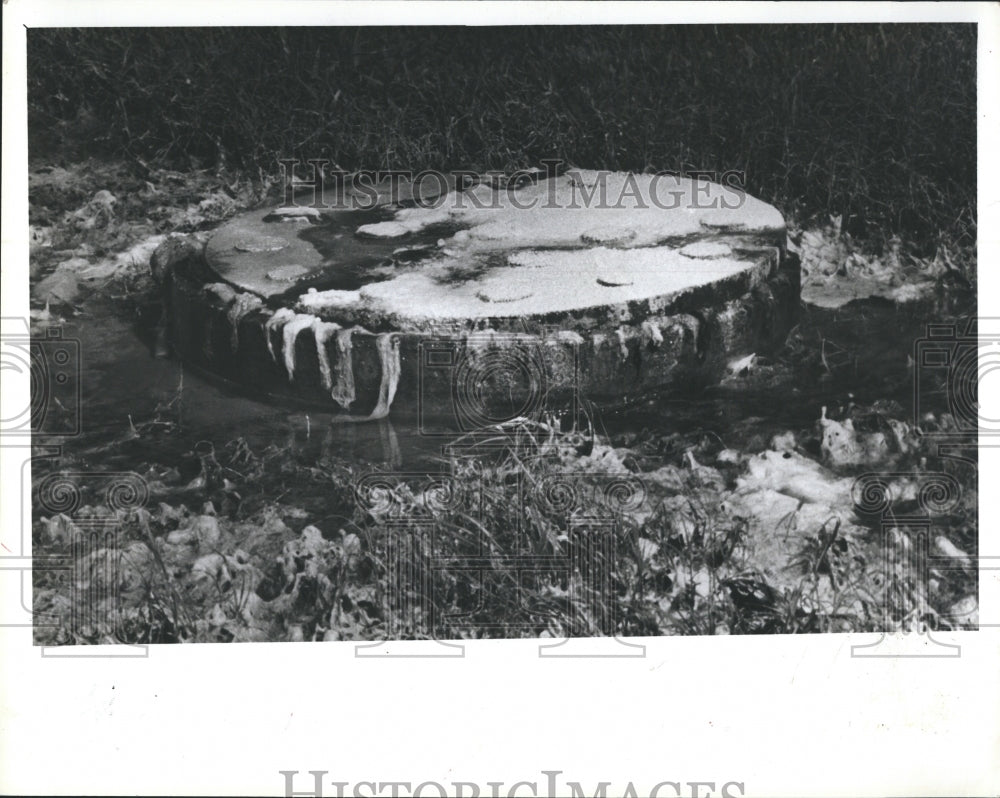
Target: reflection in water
x,y
357,438
390,444
139,410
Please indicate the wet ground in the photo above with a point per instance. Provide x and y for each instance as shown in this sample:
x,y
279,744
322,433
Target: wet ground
x,y
137,408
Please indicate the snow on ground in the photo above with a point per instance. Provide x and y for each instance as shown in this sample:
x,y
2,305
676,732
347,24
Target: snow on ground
x,y
836,271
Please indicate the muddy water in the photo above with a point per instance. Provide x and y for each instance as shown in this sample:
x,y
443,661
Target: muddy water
x,y
138,409
858,354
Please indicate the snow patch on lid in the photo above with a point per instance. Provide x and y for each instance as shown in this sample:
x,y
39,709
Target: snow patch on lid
x,y
295,211
258,243
288,273
384,230
706,249
320,300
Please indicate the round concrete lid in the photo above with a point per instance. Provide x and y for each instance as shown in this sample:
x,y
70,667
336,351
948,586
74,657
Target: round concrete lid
x,y
554,248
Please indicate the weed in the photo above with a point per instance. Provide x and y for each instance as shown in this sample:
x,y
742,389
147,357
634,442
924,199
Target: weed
x,y
872,122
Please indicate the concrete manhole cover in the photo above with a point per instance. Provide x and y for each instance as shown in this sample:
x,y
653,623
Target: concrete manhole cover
x,y
635,282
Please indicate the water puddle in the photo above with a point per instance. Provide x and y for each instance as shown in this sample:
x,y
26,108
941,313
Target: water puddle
x,y
138,409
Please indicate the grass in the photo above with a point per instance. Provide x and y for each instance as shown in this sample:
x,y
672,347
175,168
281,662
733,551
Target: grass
x,y
874,122
517,537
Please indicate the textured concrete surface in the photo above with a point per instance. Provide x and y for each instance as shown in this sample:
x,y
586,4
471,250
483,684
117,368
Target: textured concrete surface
x,y
489,302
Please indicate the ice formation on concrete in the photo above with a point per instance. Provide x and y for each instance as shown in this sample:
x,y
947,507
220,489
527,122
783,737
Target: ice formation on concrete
x,y
343,384
388,354
288,273
289,335
242,305
323,331
651,333
318,300
224,292
337,377
622,342
276,322
259,243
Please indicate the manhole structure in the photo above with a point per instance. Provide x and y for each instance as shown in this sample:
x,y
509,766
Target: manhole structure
x,y
486,303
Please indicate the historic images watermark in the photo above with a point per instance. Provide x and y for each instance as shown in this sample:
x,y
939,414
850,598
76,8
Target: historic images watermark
x,y
34,423
949,361
550,784
86,552
51,363
105,567
495,377
368,189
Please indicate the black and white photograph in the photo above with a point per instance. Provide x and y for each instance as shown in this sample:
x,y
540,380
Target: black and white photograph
x,y
433,332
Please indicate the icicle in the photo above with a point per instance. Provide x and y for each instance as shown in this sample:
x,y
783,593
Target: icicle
x,y
241,306
289,334
343,388
651,333
388,355
323,331
279,319
622,343
390,444
222,291
739,365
